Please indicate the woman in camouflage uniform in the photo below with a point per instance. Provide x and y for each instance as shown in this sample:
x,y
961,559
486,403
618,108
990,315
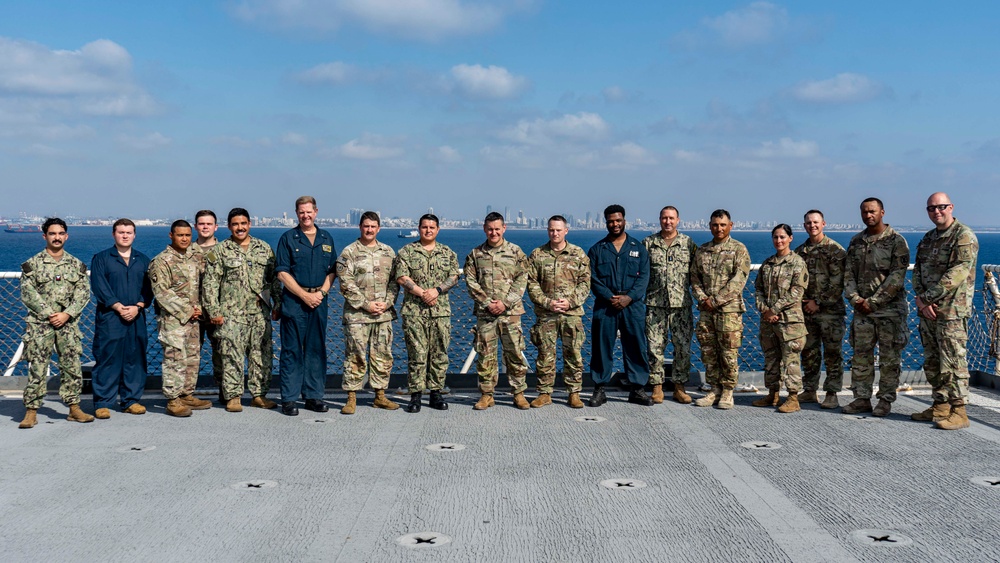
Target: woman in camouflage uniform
x,y
780,285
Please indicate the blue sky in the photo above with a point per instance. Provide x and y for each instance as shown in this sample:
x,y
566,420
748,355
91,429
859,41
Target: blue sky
x,y
764,108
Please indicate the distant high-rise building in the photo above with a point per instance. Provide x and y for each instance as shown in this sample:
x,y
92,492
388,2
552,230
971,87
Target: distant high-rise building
x,y
489,209
430,210
506,214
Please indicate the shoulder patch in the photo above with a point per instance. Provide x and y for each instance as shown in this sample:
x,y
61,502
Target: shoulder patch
x,y
26,267
83,268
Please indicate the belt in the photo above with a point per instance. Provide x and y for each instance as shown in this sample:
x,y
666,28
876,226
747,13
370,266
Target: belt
x,y
313,289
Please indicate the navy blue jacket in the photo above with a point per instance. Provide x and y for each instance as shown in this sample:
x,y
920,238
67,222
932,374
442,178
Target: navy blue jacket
x,y
308,264
114,282
613,272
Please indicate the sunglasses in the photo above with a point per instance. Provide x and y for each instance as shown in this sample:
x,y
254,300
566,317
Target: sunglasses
x,y
942,207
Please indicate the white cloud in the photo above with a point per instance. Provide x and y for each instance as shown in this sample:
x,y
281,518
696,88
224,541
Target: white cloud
x,y
614,94
368,147
757,24
296,139
630,153
580,127
844,88
787,148
428,20
447,154
151,141
492,82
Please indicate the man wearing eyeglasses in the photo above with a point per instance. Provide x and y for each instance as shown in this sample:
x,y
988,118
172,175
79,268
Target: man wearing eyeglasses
x,y
944,280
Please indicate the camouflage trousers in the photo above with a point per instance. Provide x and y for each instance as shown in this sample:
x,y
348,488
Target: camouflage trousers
x,y
781,358
891,335
181,356
246,339
720,336
427,340
369,350
39,341
825,342
544,335
678,322
491,332
945,364
207,330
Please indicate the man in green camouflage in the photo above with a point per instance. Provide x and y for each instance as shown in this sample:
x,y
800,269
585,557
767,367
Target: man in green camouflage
x,y
55,289
877,259
668,304
241,296
206,224
719,273
175,276
944,281
823,306
558,285
496,274
370,291
426,270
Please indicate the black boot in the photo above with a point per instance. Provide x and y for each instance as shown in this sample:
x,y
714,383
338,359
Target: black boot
x,y
638,396
437,401
289,409
316,405
414,405
598,398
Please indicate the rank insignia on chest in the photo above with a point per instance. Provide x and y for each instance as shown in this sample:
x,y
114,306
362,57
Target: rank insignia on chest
x,y
670,258
633,253
327,248
58,278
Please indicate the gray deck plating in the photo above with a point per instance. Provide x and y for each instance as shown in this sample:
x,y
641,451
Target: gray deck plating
x,y
260,486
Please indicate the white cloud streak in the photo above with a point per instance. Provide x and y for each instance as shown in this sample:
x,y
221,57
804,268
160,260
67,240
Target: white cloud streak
x,y
845,88
492,82
575,128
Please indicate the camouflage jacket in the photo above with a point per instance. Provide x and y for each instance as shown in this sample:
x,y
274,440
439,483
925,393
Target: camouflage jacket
x,y
876,271
825,262
175,278
497,273
54,286
240,284
365,276
669,270
720,271
944,273
563,274
435,269
780,284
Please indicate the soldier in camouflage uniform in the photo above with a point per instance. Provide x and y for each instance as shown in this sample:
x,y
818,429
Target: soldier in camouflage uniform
x,y
558,285
781,282
175,276
718,275
944,281
426,270
370,291
206,224
823,305
877,259
496,274
55,289
668,304
241,291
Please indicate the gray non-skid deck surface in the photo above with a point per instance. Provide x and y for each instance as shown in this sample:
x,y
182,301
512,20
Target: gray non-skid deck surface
x,y
526,488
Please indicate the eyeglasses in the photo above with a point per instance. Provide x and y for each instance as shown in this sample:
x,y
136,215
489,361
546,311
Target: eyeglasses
x,y
942,207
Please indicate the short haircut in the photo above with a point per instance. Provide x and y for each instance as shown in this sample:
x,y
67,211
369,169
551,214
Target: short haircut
x,y
721,214
812,211
370,216
876,200
237,212
783,226
205,213
612,209
53,221
123,222
179,224
557,218
428,217
671,208
493,216
303,200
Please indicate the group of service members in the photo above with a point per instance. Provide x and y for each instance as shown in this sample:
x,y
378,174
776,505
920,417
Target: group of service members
x,y
644,293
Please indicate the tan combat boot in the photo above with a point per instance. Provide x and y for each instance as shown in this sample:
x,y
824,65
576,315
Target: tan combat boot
x,y
352,403
771,400
936,413
574,401
808,397
194,403
484,402
791,404
710,399
858,406
520,402
102,413
657,394
726,401
263,402
680,395
134,408
233,405
176,407
883,408
541,400
76,414
30,419
956,420
383,402
830,402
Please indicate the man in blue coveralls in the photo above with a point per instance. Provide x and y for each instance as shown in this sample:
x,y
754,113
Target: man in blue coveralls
x,y
619,276
307,263
122,292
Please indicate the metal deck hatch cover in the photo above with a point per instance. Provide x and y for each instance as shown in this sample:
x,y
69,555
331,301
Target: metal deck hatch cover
x,y
623,484
255,485
875,537
137,448
420,540
590,419
761,445
990,482
445,447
